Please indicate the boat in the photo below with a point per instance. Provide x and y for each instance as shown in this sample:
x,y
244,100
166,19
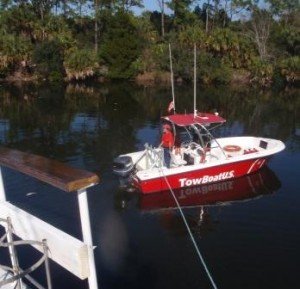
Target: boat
x,y
198,158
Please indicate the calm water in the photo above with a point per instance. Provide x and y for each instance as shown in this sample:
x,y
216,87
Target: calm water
x,y
247,230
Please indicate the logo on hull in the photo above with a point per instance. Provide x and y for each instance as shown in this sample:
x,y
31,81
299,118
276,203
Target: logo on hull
x,y
185,182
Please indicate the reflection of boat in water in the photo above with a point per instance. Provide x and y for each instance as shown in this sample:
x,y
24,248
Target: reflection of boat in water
x,y
197,201
248,187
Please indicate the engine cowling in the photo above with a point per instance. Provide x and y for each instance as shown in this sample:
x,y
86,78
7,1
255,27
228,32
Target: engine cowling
x,y
123,166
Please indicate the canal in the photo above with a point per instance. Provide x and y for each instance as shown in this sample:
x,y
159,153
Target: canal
x,y
247,229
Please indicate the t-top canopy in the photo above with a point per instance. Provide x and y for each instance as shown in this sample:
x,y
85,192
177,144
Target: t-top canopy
x,y
189,119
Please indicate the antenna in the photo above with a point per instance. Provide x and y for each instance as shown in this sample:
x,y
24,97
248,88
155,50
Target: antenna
x,y
172,76
195,79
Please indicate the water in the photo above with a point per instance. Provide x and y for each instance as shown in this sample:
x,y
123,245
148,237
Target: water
x,y
247,230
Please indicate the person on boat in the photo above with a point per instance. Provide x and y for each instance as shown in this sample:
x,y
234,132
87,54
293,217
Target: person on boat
x,y
167,143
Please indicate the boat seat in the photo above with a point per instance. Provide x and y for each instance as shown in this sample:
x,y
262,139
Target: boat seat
x,y
177,160
155,158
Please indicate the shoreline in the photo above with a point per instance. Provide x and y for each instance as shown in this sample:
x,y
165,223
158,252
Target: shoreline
x,y
239,78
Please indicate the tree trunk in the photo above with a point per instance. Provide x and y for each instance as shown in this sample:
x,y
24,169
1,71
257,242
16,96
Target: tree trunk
x,y
206,21
261,31
163,18
225,14
96,27
161,4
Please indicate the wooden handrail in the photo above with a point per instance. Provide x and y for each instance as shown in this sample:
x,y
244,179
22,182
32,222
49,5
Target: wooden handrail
x,y
46,170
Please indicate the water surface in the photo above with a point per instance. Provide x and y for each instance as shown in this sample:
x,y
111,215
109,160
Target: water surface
x,y
247,230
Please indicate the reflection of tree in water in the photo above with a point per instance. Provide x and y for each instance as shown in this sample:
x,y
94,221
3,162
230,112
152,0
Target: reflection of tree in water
x,y
94,123
120,113
256,112
291,100
37,122
92,127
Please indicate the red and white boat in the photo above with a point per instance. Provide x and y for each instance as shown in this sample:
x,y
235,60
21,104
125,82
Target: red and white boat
x,y
198,159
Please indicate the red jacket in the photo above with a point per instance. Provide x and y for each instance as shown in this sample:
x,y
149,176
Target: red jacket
x,y
167,140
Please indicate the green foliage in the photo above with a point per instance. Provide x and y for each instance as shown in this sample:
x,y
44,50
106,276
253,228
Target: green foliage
x,y
16,47
52,38
286,38
262,72
235,49
80,63
182,14
19,20
281,7
289,69
155,18
212,70
48,59
56,27
13,50
42,7
121,46
80,59
154,58
192,34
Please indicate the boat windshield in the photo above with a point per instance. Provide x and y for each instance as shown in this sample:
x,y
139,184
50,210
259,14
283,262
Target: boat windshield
x,y
191,133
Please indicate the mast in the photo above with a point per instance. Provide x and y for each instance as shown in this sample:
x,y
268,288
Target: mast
x,y
195,79
172,76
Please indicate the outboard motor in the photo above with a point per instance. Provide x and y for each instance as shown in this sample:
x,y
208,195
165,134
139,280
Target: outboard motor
x,y
123,166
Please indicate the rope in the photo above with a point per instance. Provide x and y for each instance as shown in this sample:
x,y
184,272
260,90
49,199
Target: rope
x,y
191,235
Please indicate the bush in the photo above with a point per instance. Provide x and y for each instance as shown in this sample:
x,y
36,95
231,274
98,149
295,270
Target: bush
x,y
121,47
289,69
13,50
262,72
80,64
212,70
49,61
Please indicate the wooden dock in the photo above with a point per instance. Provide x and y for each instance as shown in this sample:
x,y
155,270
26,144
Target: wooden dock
x,y
74,255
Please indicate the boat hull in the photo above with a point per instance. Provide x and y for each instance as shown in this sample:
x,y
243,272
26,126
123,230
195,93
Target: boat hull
x,y
250,186
199,176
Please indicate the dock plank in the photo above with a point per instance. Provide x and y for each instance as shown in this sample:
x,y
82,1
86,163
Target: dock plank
x,y
46,170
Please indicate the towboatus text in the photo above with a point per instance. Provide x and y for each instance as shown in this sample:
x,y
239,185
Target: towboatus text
x,y
185,182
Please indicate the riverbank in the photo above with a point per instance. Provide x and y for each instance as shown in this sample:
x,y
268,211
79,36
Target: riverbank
x,y
163,78
240,77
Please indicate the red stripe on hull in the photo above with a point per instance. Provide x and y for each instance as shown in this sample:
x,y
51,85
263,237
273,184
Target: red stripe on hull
x,y
260,183
202,176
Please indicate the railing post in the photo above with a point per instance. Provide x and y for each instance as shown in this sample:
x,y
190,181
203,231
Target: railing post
x,y
2,189
87,236
13,253
47,266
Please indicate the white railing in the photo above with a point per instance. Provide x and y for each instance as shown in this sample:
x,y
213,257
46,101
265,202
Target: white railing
x,y
74,255
15,273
